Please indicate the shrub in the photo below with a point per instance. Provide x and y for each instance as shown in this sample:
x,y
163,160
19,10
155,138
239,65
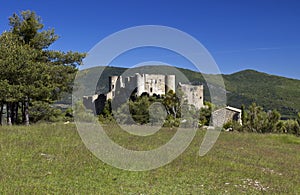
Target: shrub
x,y
292,127
234,125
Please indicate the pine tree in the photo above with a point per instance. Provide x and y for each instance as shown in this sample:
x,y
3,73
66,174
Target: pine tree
x,y
29,70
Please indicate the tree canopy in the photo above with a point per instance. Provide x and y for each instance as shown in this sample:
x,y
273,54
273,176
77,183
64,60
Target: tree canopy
x,y
29,71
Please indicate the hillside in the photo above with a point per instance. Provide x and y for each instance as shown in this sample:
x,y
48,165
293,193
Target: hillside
x,y
245,87
268,91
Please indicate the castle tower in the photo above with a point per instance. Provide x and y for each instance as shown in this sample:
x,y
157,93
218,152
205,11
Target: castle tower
x,y
193,94
140,83
169,83
115,83
112,83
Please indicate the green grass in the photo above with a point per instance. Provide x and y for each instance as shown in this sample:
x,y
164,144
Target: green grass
x,y
51,159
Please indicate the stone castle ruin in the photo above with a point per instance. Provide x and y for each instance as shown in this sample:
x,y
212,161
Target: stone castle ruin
x,y
152,84
146,83
160,85
193,94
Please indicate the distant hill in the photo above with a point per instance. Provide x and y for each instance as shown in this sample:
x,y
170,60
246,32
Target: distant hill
x,y
244,87
268,91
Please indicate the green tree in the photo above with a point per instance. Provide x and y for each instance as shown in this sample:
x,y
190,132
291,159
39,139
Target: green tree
x,y
244,114
30,71
292,127
139,110
273,118
205,114
15,58
172,104
256,119
106,115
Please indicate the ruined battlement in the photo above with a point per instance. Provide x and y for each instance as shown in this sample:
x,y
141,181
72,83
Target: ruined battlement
x,y
144,83
152,84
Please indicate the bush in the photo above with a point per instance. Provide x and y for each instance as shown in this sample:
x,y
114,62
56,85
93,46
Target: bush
x,y
171,121
109,119
42,111
82,114
292,127
234,125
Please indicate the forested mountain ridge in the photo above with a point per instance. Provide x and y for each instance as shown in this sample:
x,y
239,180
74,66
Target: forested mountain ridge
x,y
268,91
244,87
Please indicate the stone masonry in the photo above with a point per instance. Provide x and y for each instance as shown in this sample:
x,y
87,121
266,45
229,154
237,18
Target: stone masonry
x,y
150,83
193,94
145,83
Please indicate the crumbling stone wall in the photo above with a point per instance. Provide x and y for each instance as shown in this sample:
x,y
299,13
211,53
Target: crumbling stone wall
x,y
150,83
193,94
140,83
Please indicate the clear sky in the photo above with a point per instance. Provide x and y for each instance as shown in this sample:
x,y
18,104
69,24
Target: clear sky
x,y
263,35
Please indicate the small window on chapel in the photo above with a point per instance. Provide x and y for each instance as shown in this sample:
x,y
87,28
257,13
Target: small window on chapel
x,y
151,89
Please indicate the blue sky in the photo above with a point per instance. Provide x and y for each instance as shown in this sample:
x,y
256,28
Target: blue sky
x,y
263,35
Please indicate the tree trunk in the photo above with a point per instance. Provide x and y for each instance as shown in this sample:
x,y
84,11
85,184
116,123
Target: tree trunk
x,y
1,112
13,113
23,112
8,112
26,111
16,111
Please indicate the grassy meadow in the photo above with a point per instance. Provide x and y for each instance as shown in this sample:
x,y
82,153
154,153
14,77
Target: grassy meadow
x,y
52,159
